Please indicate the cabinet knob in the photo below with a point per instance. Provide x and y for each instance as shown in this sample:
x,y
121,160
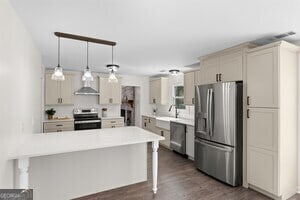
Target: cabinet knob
x,y
248,113
193,100
248,100
162,133
217,77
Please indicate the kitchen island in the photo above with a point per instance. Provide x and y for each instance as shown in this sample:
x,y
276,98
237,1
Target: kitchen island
x,y
73,164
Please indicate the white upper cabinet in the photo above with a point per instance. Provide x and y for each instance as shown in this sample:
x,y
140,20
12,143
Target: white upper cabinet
x,y
223,67
262,78
159,91
210,70
189,88
110,93
231,67
59,92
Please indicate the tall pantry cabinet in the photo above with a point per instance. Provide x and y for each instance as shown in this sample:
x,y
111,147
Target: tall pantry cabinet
x,y
271,83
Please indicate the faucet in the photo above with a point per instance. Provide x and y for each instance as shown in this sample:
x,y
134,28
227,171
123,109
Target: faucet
x,y
176,112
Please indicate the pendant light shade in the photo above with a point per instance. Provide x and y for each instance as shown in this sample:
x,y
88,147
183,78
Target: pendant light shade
x,y
112,69
87,74
112,73
58,74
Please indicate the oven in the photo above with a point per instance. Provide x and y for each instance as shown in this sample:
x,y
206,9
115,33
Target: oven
x,y
85,119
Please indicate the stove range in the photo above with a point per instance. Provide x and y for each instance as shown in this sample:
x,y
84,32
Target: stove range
x,y
85,119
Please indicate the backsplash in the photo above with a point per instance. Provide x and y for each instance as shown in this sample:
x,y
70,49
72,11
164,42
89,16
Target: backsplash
x,y
187,113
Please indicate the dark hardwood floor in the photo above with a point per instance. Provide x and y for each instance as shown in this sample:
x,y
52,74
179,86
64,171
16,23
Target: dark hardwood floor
x,y
178,180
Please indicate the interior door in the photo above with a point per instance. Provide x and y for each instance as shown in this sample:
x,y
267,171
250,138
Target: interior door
x,y
223,111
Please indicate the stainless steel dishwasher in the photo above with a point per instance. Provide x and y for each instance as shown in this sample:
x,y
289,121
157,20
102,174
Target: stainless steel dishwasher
x,y
178,137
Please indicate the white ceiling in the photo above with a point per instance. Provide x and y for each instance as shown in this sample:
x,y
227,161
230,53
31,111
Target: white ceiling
x,y
152,35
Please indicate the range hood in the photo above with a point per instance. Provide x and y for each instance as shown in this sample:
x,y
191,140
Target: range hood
x,y
87,89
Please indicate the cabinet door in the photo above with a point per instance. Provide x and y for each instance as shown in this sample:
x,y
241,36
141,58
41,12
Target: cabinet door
x,y
231,67
154,91
52,90
262,78
189,88
67,90
262,169
152,124
115,89
210,71
199,79
190,141
166,134
104,91
262,128
145,122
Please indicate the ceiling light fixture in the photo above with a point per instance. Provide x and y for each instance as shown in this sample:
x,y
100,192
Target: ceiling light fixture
x,y
87,74
112,69
174,72
58,74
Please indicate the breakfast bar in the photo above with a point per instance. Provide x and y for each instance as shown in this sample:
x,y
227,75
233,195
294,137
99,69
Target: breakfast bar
x,y
87,161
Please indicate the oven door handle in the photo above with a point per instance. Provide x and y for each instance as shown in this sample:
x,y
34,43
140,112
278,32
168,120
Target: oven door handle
x,y
87,121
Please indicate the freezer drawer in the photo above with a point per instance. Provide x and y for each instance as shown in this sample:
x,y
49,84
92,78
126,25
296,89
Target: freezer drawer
x,y
218,161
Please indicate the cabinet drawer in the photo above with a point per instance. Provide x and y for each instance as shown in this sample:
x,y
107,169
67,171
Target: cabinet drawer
x,y
58,125
262,128
262,169
112,123
49,130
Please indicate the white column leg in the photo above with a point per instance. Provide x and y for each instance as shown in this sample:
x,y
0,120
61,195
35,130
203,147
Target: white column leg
x,y
23,164
155,145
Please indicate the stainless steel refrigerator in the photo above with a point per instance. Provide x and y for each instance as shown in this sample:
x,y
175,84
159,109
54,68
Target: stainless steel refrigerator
x,y
218,131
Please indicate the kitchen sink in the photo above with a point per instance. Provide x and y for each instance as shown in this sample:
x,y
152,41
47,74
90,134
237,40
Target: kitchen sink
x,y
164,122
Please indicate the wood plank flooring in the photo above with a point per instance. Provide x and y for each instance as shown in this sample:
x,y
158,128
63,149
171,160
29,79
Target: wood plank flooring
x,y
178,180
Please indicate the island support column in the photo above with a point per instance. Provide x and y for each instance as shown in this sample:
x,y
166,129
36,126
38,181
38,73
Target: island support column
x,y
155,145
23,164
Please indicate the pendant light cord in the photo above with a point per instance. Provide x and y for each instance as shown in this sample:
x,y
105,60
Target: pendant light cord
x,y
112,54
58,46
87,55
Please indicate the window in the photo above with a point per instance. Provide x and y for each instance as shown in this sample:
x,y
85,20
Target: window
x,y
178,94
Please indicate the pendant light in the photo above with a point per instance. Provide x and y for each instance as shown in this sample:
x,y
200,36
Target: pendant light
x,y
87,74
112,69
58,74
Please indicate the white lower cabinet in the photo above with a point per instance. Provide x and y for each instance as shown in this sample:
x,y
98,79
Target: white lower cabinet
x,y
263,169
57,126
165,133
190,141
112,123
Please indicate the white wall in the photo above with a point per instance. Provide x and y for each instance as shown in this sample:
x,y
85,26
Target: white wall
x,y
20,86
82,101
187,113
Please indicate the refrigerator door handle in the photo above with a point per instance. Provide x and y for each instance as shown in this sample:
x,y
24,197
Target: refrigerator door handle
x,y
214,146
207,122
210,112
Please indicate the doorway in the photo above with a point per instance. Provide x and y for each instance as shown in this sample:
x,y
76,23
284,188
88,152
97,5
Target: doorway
x,y
129,105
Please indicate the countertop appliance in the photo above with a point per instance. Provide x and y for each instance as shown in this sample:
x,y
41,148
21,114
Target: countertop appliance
x,y
219,130
178,137
85,119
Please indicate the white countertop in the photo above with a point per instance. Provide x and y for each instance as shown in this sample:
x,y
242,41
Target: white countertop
x,y
59,120
189,122
55,143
